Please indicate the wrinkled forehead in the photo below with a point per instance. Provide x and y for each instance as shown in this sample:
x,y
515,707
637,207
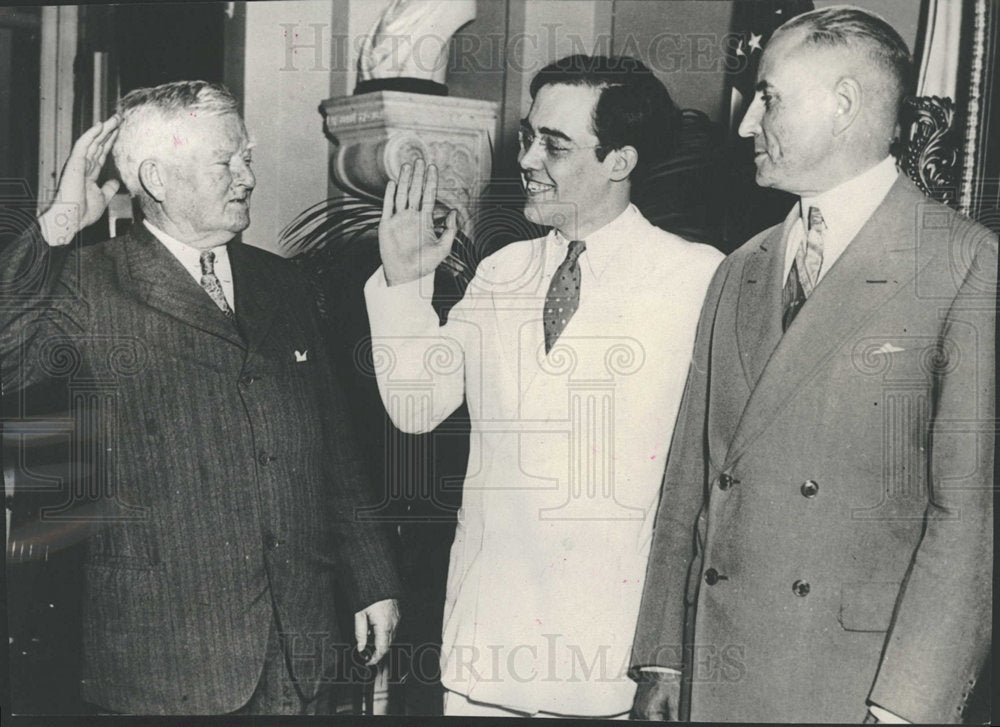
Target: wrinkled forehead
x,y
788,56
192,130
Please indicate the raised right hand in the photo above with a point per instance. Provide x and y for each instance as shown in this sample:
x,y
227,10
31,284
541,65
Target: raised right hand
x,y
409,247
79,201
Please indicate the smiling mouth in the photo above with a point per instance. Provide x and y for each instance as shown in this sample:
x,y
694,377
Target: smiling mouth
x,y
533,187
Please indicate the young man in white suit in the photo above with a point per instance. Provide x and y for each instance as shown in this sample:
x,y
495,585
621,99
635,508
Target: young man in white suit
x,y
571,358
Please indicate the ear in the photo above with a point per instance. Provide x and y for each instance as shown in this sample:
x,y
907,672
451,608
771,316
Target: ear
x,y
622,161
151,179
847,93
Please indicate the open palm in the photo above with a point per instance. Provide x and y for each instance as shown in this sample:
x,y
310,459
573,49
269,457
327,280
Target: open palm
x,y
409,246
79,201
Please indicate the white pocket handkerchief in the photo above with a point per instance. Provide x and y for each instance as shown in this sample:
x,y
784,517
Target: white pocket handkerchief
x,y
301,356
888,348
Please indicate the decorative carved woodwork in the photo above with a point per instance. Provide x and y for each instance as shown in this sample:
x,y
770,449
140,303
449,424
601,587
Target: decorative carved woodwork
x,y
376,133
928,151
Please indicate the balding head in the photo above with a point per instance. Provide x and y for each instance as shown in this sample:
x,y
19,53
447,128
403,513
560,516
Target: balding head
x,y
829,88
863,45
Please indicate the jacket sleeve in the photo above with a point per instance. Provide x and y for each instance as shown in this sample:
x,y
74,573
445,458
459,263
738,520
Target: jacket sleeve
x,y
941,632
660,629
37,294
420,364
364,553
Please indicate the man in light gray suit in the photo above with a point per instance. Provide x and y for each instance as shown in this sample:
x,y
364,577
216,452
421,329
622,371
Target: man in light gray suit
x,y
227,460
833,456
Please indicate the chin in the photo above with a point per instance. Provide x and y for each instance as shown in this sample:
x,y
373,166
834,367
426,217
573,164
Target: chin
x,y
239,224
533,214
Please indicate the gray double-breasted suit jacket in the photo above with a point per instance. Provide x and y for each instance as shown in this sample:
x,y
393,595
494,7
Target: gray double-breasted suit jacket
x,y
826,519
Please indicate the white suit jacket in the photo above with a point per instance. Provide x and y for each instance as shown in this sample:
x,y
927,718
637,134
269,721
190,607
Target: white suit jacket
x,y
566,458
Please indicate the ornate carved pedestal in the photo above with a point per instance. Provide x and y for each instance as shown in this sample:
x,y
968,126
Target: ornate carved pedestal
x,y
376,133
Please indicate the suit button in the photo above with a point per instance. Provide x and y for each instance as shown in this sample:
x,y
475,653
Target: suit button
x,y
800,588
264,458
725,481
272,541
713,576
247,379
810,488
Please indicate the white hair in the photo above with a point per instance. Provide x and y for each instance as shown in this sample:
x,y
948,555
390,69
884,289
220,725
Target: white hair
x,y
148,116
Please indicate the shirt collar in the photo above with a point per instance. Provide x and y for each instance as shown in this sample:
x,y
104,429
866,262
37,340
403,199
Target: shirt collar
x,y
603,244
190,257
848,206
845,209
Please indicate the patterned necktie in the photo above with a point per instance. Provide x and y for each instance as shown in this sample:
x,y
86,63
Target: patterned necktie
x,y
804,274
210,282
564,294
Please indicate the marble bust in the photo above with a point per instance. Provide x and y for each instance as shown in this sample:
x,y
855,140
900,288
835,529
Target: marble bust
x,y
410,40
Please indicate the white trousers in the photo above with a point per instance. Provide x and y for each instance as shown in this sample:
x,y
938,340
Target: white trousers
x,y
459,705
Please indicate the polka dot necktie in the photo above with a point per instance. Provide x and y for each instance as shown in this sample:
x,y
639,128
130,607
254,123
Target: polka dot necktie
x,y
210,282
804,274
564,294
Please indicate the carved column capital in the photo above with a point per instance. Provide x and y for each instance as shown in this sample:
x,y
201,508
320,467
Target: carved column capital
x,y
376,133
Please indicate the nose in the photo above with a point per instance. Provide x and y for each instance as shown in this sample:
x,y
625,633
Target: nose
x,y
531,158
244,176
750,126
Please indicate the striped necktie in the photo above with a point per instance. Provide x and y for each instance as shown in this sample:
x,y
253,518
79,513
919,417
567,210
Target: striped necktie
x,y
210,282
804,274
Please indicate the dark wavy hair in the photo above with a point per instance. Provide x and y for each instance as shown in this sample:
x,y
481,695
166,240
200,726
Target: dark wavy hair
x,y
634,108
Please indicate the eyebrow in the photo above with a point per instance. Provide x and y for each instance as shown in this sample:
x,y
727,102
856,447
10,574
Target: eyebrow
x,y
546,131
763,86
226,152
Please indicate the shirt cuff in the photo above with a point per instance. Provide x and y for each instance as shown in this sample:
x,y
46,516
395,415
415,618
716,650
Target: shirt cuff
x,y
656,674
885,716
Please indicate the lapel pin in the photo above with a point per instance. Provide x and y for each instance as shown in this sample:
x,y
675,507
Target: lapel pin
x,y
301,356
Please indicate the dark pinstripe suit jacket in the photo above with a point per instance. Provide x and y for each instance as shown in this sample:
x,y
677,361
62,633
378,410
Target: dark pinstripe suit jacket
x,y
225,462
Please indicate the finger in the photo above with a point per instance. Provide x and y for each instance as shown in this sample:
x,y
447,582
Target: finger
x,y
382,638
86,140
450,230
361,630
403,186
96,156
417,187
430,189
109,189
96,145
106,143
388,199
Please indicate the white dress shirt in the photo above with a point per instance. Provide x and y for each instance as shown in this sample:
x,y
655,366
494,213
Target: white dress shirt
x,y
845,209
190,258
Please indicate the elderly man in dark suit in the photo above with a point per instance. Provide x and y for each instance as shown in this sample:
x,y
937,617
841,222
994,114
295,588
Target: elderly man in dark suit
x,y
230,480
833,456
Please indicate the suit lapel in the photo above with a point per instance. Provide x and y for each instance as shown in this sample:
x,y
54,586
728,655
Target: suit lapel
x,y
159,280
257,297
873,268
758,311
